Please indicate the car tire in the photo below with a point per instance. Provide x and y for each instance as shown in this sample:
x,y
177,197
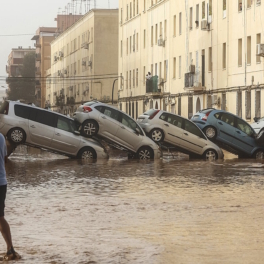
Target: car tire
x,y
156,135
210,154
89,128
210,132
145,153
87,154
259,154
17,135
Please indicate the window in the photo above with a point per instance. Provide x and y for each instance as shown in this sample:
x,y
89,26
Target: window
x,y
121,15
156,34
134,7
223,105
192,128
133,110
137,41
121,48
248,104
110,112
203,10
224,56
240,52
133,78
179,67
43,117
174,26
257,104
224,8
248,50
130,76
180,23
174,67
249,3
66,124
175,120
240,5
160,67
210,8
165,29
152,36
127,46
144,40
165,70
144,74
130,44
134,46
197,16
239,104
130,11
191,17
129,122
127,79
244,127
209,101
160,31
137,78
20,110
258,41
179,105
210,59
190,107
228,119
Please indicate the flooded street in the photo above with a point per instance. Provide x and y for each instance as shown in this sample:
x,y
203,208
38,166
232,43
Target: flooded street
x,y
126,211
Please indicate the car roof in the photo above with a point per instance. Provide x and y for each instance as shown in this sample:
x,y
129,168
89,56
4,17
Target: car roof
x,y
34,106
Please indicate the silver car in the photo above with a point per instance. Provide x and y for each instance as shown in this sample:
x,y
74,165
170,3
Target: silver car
x,y
37,127
258,125
100,119
175,130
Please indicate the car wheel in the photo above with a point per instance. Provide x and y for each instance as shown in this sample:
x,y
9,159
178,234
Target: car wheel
x,y
17,135
157,135
210,154
145,153
259,154
87,154
89,128
210,132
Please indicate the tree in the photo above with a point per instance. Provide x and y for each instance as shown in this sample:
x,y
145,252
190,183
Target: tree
x,y
23,88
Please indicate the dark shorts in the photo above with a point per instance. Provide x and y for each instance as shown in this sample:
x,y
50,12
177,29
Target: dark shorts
x,y
2,199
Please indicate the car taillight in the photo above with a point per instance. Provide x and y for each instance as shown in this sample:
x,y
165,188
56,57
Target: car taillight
x,y
153,115
87,109
206,116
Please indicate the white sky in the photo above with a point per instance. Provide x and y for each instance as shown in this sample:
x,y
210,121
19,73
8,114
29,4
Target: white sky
x,y
25,17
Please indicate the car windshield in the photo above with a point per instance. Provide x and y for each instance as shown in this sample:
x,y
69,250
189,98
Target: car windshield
x,y
150,112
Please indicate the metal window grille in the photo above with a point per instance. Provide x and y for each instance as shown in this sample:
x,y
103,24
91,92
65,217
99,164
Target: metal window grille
x,y
190,107
257,104
223,105
209,101
248,104
239,104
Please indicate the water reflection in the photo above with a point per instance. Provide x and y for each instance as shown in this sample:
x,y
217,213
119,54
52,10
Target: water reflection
x,y
127,211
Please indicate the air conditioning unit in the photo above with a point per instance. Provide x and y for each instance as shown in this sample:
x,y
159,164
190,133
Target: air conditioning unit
x,y
90,63
55,58
204,25
60,54
260,50
83,63
86,46
161,42
192,68
216,100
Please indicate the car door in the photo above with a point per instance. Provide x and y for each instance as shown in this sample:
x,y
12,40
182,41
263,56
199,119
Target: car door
x,y
244,136
108,120
172,127
127,134
41,127
193,138
64,140
226,128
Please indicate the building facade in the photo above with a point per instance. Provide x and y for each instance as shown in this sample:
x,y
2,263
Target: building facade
x,y
200,54
84,62
15,61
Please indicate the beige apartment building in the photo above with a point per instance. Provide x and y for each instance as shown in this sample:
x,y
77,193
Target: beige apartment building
x,y
200,54
84,63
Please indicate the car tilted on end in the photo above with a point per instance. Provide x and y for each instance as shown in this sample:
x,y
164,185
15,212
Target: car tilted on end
x,y
231,132
103,120
37,127
162,126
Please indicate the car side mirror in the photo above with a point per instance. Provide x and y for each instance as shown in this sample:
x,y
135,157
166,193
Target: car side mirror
x,y
77,133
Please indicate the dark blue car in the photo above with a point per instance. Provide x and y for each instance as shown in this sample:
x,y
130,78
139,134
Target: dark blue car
x,y
230,132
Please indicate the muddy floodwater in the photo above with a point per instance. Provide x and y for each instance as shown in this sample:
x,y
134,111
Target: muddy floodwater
x,y
172,210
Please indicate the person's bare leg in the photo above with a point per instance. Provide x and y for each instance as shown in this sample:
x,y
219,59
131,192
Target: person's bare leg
x,y
6,233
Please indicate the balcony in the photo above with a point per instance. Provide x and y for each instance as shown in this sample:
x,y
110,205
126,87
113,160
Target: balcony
x,y
152,85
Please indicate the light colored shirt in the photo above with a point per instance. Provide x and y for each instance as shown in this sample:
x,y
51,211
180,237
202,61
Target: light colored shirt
x,y
3,153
